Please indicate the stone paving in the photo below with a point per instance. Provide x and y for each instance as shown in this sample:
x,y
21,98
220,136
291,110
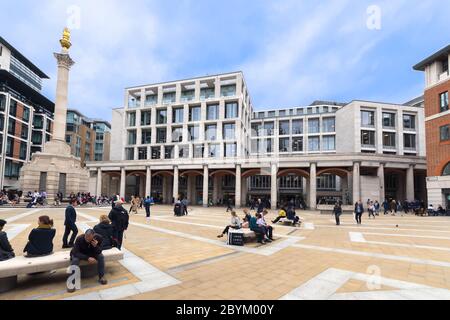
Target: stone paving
x,y
401,257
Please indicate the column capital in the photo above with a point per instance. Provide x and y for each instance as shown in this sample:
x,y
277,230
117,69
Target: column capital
x,y
64,60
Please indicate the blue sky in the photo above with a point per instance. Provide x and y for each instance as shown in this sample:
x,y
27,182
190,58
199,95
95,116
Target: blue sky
x,y
292,52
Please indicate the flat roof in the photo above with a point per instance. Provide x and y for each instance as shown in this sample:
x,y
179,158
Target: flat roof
x,y
436,56
24,60
87,119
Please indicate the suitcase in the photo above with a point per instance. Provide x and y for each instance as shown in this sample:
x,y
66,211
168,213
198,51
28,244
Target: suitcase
x,y
236,239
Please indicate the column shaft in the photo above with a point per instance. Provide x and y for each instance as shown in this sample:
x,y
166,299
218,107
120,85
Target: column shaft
x,y
176,174
99,183
382,183
123,180
274,187
205,186
313,186
148,182
356,182
238,187
410,183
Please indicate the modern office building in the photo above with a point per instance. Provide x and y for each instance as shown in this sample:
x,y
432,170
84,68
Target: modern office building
x,y
89,139
26,116
201,138
437,119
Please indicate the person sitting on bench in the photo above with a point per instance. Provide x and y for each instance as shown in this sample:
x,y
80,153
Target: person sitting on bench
x,y
281,215
259,231
262,222
40,240
106,230
88,247
6,251
247,217
235,224
291,215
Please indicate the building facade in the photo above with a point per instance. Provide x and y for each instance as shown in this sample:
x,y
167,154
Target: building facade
x,y
26,116
89,139
437,119
201,139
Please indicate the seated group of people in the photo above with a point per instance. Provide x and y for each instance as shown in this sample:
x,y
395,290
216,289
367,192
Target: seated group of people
x,y
256,223
288,212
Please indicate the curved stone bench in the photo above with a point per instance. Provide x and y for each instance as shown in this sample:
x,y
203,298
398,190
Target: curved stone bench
x,y
10,269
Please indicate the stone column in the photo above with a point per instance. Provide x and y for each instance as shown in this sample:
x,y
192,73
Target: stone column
x,y
313,186
382,183
244,192
176,176
410,183
148,182
123,179
165,187
238,186
356,182
205,186
98,192
215,196
274,186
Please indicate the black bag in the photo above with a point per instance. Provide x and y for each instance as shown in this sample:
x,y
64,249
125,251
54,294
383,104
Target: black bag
x,y
236,239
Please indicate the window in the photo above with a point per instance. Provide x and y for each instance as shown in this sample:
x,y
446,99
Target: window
x,y
199,151
284,128
269,128
132,137
297,127
129,153
161,116
12,126
214,150
328,125
132,119
178,115
161,135
187,95
169,97
228,91
12,169
26,114
297,144
168,152
24,132
146,117
256,129
211,132
229,131
142,153
313,126
38,122
329,143
194,133
2,102
284,145
13,107
409,122
313,144
368,139
367,118
156,153
207,93
443,98
68,138
445,133
36,137
389,140
230,150
231,110
388,120
23,151
9,146
212,112
195,113
446,171
177,134
183,152
151,99
268,145
409,141
146,136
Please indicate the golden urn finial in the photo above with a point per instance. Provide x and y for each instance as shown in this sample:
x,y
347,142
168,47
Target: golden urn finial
x,y
65,41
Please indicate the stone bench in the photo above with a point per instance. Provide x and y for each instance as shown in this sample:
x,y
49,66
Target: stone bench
x,y
248,234
10,269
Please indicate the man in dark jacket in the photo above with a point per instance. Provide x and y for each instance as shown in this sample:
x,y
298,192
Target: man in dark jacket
x,y
88,247
70,223
119,220
261,206
359,210
6,251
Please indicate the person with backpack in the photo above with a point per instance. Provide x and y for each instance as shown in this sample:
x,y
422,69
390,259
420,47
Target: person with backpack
x,y
119,219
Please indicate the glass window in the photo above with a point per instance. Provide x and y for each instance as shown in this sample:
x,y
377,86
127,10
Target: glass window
x,y
24,133
313,126
367,118
168,152
38,122
409,121
161,116
132,119
389,140
161,135
297,126
2,102
328,125
230,150
132,137
142,153
194,133
271,114
445,133
187,95
178,115
368,138
268,145
129,153
146,117
297,144
146,136
183,152
284,145
169,97
26,114
269,128
151,99
177,134
211,132
443,98
195,113
228,90
231,110
199,151
409,141
212,112
207,93
313,143
446,171
13,107
229,131
156,153
256,129
12,126
329,143
214,150
388,120
284,128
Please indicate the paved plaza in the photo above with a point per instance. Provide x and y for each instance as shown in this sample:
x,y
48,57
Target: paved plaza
x,y
182,258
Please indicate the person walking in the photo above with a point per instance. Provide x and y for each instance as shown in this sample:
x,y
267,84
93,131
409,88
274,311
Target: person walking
x,y
385,206
359,210
337,210
184,204
376,206
229,204
119,219
371,210
147,204
393,207
70,224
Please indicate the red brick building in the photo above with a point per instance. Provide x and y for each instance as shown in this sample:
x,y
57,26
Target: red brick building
x,y
437,125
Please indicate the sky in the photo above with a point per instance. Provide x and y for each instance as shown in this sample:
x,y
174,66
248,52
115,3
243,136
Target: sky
x,y
292,52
